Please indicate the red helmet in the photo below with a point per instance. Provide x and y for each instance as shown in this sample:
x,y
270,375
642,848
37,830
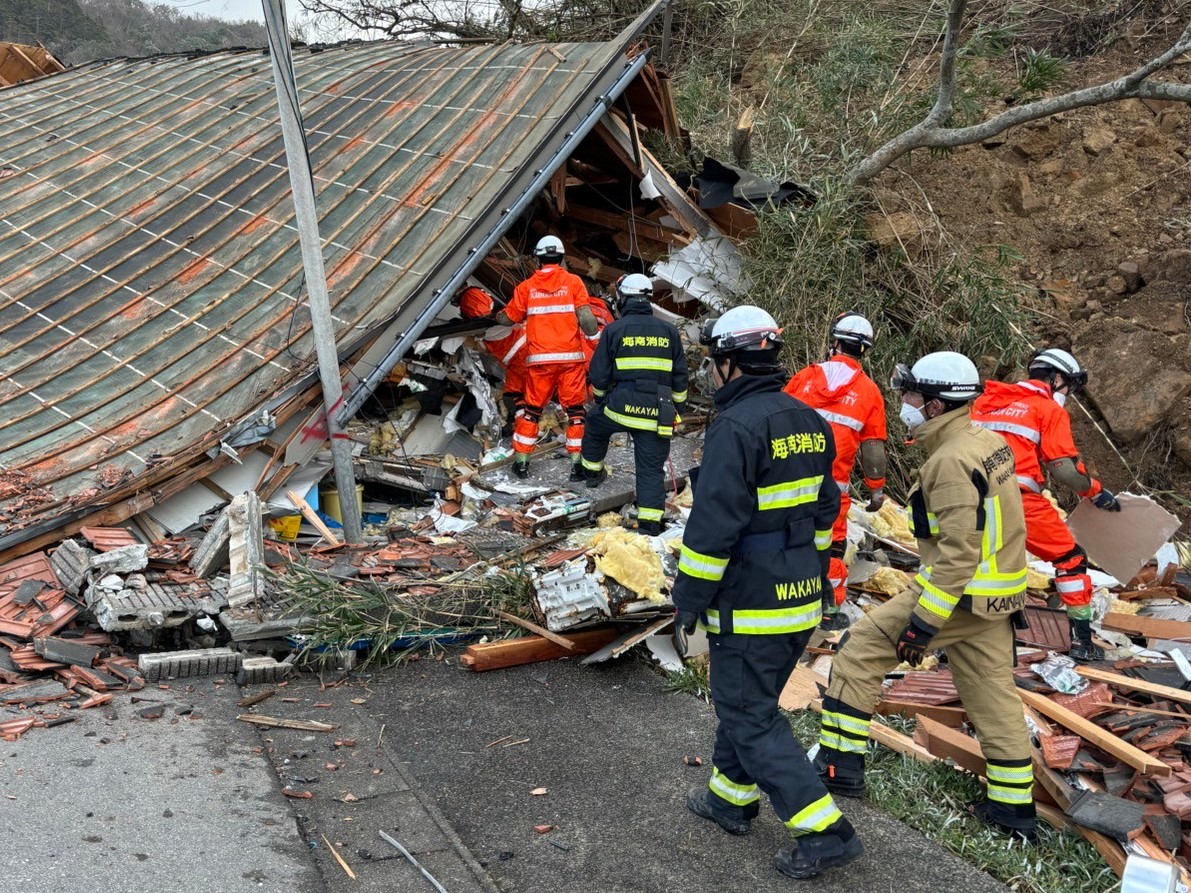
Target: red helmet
x,y
475,302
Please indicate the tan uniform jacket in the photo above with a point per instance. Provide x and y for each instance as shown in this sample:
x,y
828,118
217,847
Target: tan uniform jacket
x,y
966,514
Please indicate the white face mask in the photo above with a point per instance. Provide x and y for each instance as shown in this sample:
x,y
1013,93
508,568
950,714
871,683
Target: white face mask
x,y
1060,398
911,416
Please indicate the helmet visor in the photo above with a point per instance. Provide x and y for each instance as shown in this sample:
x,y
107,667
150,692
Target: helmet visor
x,y
903,379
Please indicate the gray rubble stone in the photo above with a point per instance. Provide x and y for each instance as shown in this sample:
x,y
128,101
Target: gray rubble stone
x,y
124,560
256,670
212,554
247,549
70,562
185,664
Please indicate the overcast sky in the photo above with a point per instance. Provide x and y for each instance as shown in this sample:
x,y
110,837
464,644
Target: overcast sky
x,y
232,10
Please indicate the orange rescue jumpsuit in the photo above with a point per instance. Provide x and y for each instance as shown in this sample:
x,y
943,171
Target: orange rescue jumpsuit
x,y
556,355
851,403
1038,431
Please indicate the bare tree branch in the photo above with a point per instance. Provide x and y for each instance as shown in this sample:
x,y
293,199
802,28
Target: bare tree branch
x,y
930,132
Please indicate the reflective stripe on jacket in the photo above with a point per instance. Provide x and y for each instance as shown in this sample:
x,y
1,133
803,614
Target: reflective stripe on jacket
x,y
639,371
850,402
1036,428
755,550
549,302
966,514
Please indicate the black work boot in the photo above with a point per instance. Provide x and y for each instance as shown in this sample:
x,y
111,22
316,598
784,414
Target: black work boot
x,y
595,478
649,528
577,473
521,468
1016,821
841,773
834,621
813,854
1082,646
699,801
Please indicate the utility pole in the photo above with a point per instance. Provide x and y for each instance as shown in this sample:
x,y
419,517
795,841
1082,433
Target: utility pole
x,y
301,182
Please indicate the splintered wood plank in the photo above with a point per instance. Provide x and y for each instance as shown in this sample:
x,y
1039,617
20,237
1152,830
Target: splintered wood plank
x,y
801,689
1128,683
310,515
944,741
1149,627
1101,738
531,649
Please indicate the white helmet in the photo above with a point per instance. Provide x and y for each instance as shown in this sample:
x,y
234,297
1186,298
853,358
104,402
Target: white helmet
x,y
947,375
634,286
741,328
549,246
852,328
1055,360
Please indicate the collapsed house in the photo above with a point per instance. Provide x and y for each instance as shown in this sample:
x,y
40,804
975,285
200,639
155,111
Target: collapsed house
x,y
160,396
159,351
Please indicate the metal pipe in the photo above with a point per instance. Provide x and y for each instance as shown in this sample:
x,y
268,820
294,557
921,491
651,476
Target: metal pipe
x,y
361,392
301,182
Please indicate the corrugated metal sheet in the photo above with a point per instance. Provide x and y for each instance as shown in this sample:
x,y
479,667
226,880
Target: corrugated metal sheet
x,y
151,290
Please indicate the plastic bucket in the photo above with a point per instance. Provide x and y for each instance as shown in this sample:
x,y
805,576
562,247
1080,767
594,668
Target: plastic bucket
x,y
286,527
330,502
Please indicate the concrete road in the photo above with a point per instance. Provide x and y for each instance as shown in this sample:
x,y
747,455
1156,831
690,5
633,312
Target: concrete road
x,y
124,804
606,742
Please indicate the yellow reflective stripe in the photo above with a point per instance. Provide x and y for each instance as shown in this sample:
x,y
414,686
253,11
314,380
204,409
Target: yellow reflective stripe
x,y
713,620
1012,796
665,431
991,585
849,723
817,817
934,599
789,494
650,514
823,539
841,742
592,466
776,621
700,566
678,396
1010,784
993,772
655,364
736,794
630,421
597,391
993,523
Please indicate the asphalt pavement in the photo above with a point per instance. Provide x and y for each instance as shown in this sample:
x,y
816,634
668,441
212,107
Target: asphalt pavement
x,y
552,777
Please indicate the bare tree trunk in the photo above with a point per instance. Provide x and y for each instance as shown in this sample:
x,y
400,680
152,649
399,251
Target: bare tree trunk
x,y
930,132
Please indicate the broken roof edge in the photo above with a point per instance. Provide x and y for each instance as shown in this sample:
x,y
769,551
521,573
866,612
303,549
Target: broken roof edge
x,y
473,256
467,259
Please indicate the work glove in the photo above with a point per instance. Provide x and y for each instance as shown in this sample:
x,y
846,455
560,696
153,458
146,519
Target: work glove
x,y
684,626
1106,500
913,643
876,499
686,621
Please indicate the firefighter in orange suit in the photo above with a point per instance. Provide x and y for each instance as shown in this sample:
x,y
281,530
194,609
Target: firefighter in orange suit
x,y
1031,418
851,403
965,511
506,345
553,304
603,316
